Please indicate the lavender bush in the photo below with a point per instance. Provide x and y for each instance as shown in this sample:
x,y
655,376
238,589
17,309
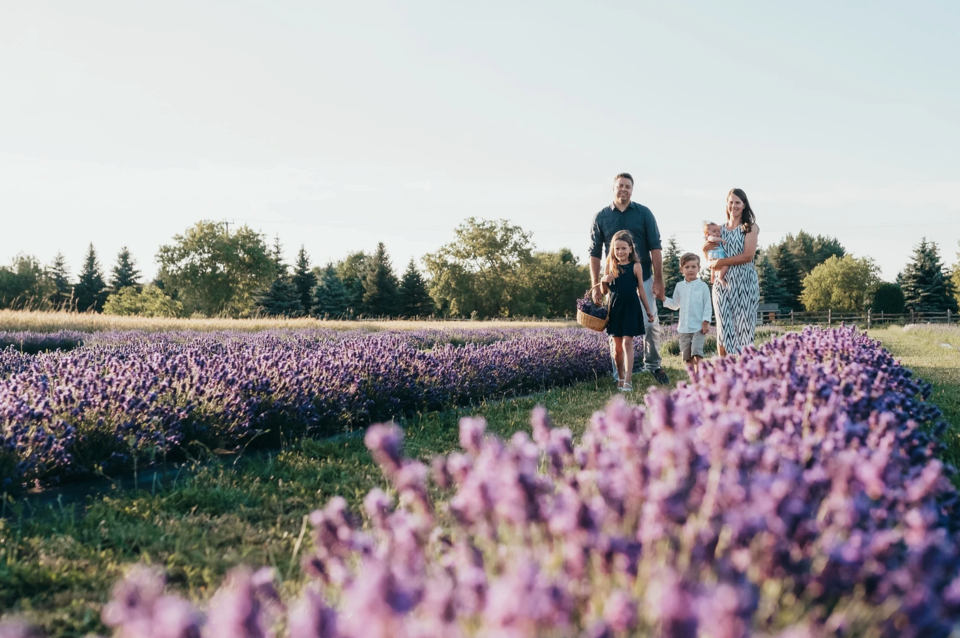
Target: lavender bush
x,y
67,413
793,491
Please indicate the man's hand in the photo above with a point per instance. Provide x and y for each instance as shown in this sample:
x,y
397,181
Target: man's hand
x,y
705,328
658,290
597,296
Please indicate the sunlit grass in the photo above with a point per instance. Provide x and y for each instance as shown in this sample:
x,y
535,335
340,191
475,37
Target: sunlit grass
x,y
36,321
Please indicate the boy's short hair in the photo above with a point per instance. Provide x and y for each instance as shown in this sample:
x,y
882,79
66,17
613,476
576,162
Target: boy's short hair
x,y
689,257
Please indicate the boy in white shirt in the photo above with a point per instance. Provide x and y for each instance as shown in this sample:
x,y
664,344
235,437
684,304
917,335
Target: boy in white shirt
x,y
692,298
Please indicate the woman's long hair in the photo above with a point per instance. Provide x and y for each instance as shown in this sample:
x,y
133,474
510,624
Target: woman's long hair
x,y
747,219
612,263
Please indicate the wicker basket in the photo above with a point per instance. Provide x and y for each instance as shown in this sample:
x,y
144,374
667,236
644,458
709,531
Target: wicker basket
x,y
591,322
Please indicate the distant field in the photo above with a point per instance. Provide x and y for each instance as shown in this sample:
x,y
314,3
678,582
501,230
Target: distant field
x,y
16,321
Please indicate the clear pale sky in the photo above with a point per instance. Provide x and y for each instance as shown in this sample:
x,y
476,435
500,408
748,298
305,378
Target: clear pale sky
x,y
338,124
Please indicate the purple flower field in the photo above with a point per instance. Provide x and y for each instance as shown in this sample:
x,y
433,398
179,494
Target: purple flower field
x,y
792,491
123,395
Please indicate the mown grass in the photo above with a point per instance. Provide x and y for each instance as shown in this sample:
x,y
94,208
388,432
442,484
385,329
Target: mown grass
x,y
57,568
37,321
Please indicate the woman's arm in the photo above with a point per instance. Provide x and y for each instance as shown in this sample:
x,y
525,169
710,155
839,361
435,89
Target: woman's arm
x,y
749,250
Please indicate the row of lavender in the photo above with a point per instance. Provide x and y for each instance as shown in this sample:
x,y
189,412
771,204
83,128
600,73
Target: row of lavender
x,y
67,413
792,491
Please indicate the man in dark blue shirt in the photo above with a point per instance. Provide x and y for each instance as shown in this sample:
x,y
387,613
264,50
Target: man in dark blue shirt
x,y
624,214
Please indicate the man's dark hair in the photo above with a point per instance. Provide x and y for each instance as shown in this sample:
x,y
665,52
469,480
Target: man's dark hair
x,y
625,176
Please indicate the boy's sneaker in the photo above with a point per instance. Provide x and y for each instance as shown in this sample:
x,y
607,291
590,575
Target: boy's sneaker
x,y
660,376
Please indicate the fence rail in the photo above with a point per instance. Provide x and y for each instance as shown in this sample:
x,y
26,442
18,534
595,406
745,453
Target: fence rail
x,y
868,319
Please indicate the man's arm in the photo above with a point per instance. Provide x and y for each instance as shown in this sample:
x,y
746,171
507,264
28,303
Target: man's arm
x,y
595,251
656,256
652,232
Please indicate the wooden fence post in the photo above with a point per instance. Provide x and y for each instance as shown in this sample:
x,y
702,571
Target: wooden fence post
x,y
791,316
948,316
913,317
869,317
829,316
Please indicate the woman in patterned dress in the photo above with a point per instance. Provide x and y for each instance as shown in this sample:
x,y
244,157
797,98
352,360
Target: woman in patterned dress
x,y
735,303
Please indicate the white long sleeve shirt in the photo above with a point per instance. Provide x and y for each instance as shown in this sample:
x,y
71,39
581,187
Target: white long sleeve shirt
x,y
692,299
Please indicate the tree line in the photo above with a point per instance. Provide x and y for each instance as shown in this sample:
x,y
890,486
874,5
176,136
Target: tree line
x,y
490,269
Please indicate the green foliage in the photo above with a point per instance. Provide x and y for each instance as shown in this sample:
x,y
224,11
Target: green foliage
x,y
215,273
125,273
672,275
381,290
771,288
304,280
926,287
809,251
557,280
352,272
788,272
146,302
90,291
482,272
839,284
330,297
885,297
23,284
60,290
276,256
281,299
955,279
415,301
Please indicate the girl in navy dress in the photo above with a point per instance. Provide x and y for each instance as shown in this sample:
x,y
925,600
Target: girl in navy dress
x,y
623,280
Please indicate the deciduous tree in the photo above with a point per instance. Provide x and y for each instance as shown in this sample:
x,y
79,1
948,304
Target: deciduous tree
x,y
215,272
839,284
482,271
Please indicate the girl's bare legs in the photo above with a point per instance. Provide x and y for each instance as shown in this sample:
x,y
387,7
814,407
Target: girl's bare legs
x,y
721,350
696,366
618,358
628,363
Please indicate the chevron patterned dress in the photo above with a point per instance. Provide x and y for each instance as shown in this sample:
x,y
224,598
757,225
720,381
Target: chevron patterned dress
x,y
736,303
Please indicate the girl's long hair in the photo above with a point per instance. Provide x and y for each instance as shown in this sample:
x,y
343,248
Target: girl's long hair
x,y
747,219
612,263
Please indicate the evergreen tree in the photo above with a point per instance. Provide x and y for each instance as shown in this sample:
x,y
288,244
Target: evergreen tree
x,y
276,256
415,301
280,299
771,289
380,287
304,280
330,297
788,272
926,287
672,275
885,297
91,291
352,272
125,273
955,278
59,277
809,251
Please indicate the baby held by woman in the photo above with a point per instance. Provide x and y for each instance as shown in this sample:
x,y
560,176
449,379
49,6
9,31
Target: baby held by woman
x,y
711,233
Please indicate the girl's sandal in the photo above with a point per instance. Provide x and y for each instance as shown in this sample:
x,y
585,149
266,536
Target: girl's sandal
x,y
626,387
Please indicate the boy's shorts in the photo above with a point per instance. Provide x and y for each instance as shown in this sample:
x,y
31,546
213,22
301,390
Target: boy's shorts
x,y
691,345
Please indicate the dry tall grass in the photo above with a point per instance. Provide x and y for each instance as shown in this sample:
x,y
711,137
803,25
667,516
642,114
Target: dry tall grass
x,y
36,321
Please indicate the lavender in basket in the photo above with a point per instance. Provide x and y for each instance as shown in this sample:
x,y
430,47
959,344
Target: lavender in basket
x,y
586,306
